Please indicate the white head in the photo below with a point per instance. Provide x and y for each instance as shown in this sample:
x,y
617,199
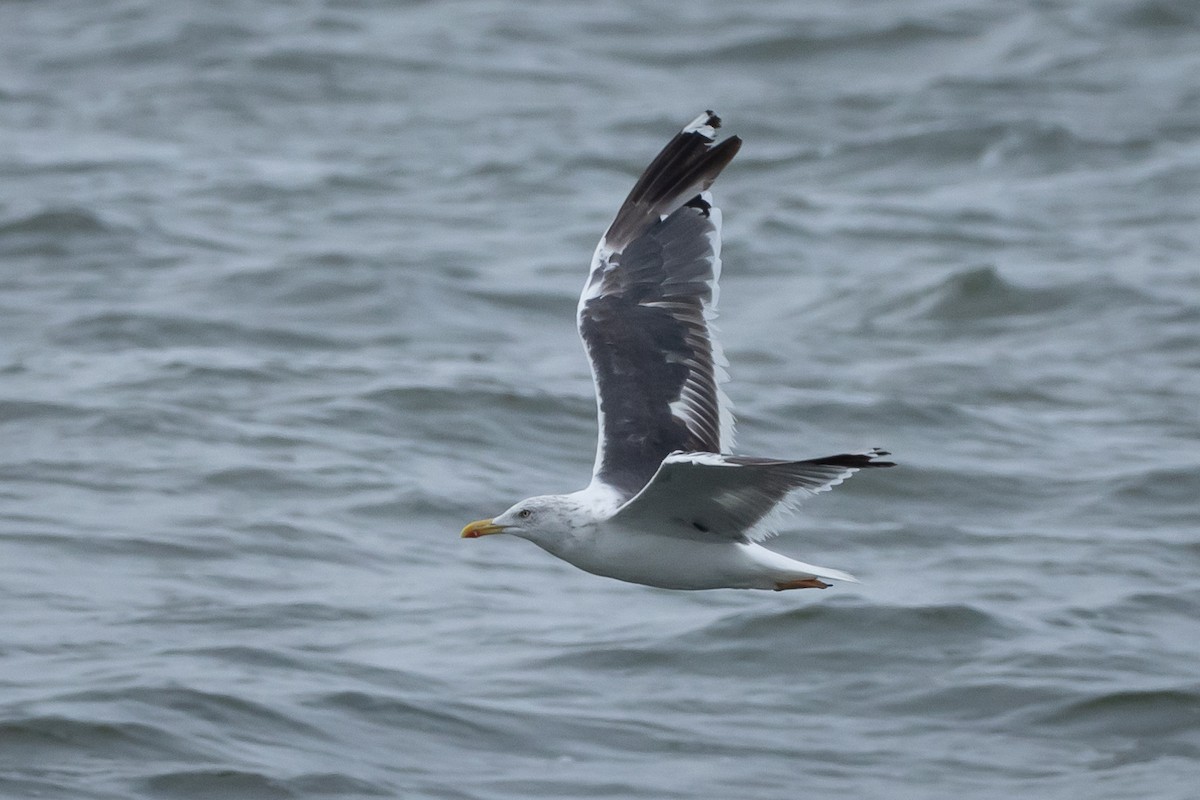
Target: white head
x,y
547,521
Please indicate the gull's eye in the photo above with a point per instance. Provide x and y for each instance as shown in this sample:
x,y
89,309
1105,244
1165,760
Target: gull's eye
x,y
524,513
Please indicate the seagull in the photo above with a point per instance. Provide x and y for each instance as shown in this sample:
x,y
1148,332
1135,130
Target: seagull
x,y
668,504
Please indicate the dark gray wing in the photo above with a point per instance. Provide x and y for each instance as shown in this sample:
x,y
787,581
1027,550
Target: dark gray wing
x,y
644,315
711,497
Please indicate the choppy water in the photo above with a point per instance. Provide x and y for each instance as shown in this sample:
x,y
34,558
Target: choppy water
x,y
286,296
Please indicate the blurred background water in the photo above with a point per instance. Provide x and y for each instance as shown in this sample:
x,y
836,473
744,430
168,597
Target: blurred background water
x,y
286,298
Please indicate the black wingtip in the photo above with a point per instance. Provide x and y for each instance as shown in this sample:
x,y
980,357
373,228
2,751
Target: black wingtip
x,y
875,453
687,165
705,126
856,460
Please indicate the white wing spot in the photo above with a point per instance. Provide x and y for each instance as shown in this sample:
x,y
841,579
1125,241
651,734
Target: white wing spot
x,y
700,125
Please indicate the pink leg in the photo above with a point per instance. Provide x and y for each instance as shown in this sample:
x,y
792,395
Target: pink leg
x,y
803,583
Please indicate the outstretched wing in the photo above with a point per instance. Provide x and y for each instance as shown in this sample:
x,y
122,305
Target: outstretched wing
x,y
645,314
711,497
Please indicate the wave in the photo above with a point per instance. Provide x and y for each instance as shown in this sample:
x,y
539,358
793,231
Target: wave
x,y
1129,714
223,710
830,623
27,410
59,232
1156,16
1162,487
792,40
48,738
982,293
220,781
56,222
822,636
227,782
209,613
154,331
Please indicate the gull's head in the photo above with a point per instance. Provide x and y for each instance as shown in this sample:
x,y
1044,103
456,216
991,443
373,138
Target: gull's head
x,y
538,519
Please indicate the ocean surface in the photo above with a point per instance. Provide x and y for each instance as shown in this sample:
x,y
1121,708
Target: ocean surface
x,y
286,298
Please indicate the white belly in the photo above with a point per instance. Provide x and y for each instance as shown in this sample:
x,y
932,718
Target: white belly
x,y
675,563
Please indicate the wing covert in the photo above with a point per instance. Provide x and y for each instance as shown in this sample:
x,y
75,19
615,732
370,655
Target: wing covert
x,y
712,497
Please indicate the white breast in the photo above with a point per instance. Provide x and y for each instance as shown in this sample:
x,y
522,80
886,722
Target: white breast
x,y
668,562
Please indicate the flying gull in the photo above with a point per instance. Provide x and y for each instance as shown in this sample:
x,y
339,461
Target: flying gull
x,y
667,505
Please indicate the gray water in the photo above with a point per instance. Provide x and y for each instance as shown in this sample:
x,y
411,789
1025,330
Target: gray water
x,y
287,298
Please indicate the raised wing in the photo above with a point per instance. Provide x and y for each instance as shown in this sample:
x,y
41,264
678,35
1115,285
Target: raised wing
x,y
712,497
645,313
